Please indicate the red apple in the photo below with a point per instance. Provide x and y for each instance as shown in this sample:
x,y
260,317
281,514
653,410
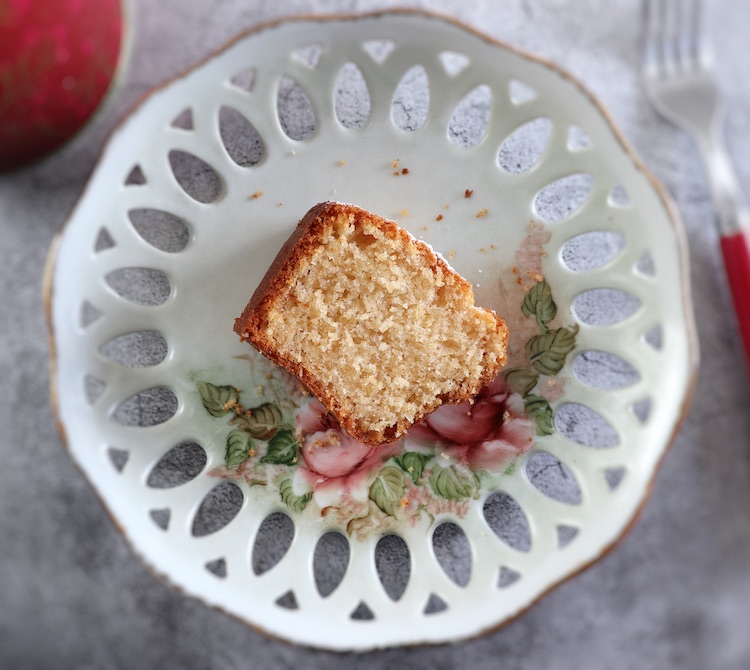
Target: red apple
x,y
57,61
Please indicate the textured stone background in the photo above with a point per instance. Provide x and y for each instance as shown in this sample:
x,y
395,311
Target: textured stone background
x,y
676,593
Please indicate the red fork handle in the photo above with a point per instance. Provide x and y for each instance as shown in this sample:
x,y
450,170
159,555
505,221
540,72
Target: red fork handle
x,y
736,250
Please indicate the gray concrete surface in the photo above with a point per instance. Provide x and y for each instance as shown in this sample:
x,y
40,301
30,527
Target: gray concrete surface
x,y
675,594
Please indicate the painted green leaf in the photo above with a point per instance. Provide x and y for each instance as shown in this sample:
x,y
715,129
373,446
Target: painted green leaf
x,y
293,502
454,483
413,463
283,449
511,468
548,350
218,400
522,380
539,410
238,448
261,422
388,489
539,304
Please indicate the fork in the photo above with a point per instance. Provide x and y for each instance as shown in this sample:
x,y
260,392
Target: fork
x,y
678,75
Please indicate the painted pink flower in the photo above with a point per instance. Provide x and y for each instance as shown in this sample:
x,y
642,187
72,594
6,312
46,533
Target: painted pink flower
x,y
484,435
336,466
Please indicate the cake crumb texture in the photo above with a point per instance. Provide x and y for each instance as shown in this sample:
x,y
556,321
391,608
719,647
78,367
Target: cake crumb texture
x,y
379,327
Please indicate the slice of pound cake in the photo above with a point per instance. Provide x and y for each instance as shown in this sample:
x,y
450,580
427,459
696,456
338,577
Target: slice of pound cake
x,y
377,325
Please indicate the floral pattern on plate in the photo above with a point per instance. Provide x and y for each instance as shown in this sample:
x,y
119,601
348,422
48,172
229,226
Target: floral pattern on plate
x,y
295,447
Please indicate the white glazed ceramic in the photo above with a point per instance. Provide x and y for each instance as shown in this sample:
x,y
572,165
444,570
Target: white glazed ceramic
x,y
495,238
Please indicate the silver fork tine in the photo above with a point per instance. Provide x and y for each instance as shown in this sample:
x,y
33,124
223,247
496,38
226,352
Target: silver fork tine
x,y
651,37
684,20
666,36
687,33
683,13
694,32
701,50
695,45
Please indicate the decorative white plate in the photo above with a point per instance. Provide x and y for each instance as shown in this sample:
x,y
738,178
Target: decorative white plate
x,y
506,166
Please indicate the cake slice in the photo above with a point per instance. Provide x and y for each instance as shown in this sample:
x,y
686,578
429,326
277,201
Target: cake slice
x,y
377,325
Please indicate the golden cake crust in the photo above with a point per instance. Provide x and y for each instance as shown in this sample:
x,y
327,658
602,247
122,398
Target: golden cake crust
x,y
287,269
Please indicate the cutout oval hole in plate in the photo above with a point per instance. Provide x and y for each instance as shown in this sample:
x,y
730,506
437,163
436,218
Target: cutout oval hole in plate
x,y
179,465
604,370
272,542
351,98
508,521
453,552
524,147
330,561
411,100
590,251
147,408
196,177
605,306
470,120
585,426
141,349
393,563
142,286
563,197
240,138
295,111
160,229
219,507
553,478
